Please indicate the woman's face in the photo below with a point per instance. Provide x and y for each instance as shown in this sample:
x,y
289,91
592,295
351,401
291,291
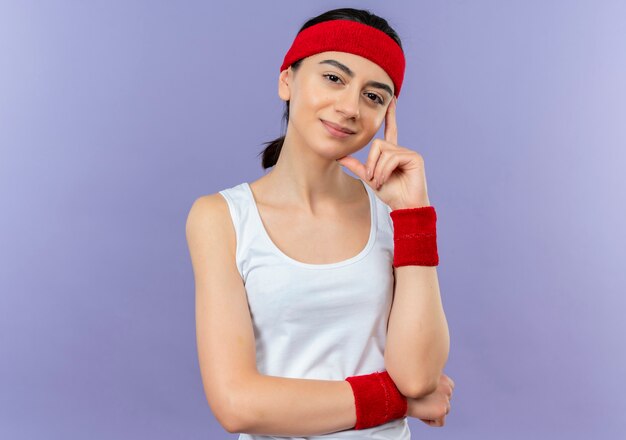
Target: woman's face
x,y
339,88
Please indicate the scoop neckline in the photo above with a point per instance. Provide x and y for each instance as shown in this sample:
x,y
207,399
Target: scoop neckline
x,y
353,259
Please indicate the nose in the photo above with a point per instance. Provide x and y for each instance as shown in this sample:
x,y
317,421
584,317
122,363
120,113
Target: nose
x,y
348,103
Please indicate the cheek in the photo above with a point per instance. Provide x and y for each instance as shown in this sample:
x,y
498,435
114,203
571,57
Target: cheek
x,y
380,118
314,96
311,92
375,123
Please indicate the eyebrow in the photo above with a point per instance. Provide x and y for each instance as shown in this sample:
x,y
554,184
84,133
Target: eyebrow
x,y
350,73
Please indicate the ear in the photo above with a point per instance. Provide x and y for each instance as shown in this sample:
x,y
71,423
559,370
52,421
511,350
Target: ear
x,y
283,84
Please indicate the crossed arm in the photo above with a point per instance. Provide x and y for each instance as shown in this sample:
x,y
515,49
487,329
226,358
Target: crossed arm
x,y
418,340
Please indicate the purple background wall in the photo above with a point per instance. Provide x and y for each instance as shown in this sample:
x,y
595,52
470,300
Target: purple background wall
x,y
115,116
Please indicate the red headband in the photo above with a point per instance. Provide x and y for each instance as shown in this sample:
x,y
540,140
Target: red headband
x,y
352,37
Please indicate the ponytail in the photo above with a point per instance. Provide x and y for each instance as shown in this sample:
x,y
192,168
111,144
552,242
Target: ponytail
x,y
271,152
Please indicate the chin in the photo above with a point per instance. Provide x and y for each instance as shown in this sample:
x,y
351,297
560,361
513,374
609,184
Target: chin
x,y
331,153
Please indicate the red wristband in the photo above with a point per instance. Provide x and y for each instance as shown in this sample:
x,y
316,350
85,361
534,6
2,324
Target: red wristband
x,y
377,399
415,236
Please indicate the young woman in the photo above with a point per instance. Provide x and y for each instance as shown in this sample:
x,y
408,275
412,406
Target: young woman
x,y
318,312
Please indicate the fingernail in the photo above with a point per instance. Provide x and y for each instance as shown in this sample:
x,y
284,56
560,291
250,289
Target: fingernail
x,y
369,173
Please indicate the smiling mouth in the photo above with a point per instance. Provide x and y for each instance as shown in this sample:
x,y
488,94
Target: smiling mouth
x,y
335,132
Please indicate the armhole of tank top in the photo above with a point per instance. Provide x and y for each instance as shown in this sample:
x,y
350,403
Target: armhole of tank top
x,y
234,218
388,216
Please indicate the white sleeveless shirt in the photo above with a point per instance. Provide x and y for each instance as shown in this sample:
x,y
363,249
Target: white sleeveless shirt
x,y
317,321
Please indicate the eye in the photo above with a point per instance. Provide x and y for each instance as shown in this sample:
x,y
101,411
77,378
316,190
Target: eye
x,y
377,98
329,75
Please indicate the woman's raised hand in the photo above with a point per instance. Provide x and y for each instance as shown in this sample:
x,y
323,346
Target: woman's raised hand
x,y
433,408
396,173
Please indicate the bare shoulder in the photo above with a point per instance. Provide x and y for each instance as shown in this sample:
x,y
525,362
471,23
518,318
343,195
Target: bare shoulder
x,y
209,220
208,208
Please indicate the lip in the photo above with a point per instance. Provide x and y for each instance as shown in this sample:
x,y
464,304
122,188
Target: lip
x,y
336,130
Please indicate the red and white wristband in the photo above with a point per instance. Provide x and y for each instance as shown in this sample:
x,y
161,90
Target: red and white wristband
x,y
377,399
415,236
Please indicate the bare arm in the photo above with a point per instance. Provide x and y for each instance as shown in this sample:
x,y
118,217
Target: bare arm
x,y
280,406
241,399
418,340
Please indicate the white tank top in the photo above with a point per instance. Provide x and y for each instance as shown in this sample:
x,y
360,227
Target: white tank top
x,y
317,321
